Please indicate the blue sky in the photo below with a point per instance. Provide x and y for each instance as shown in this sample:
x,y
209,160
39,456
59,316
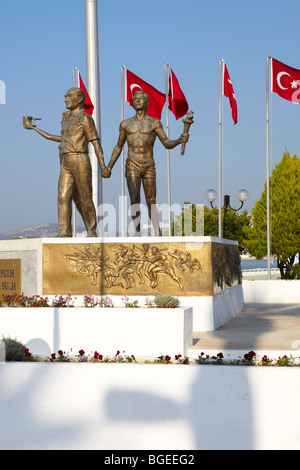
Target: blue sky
x,y
42,41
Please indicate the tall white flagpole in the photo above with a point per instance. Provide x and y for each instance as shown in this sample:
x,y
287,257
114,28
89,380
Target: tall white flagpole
x,y
123,209
74,211
75,69
220,144
268,168
93,86
168,151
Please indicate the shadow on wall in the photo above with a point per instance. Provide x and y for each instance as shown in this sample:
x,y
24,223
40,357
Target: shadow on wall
x,y
124,406
207,416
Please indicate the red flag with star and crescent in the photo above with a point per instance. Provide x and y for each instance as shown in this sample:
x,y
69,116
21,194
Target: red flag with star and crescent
x,y
156,98
285,81
229,92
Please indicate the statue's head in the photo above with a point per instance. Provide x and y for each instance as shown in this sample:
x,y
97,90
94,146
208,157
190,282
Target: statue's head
x,y
74,98
140,99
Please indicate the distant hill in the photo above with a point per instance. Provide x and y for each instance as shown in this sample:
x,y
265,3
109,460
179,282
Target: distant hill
x,y
50,230
35,231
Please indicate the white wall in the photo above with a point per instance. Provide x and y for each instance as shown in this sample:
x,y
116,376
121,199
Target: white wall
x,y
211,312
155,407
271,292
144,332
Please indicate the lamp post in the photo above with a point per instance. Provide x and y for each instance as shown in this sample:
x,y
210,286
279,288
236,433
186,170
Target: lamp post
x,y
242,196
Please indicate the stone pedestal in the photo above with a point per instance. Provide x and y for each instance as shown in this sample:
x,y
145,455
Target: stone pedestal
x,y
204,272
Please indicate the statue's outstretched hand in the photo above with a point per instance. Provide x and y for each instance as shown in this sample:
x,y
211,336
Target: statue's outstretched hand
x,y
27,122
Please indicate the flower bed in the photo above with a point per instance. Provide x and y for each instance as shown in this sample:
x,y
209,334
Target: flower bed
x,y
50,325
12,350
46,314
249,359
88,300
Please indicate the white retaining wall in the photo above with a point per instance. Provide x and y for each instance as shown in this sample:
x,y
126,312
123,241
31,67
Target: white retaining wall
x,y
144,332
148,407
271,292
212,311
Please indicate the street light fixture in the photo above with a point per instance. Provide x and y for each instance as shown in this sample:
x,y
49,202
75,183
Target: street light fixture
x,y
242,196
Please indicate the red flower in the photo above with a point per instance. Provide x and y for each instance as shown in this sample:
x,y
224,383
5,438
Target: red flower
x,y
250,355
98,356
27,353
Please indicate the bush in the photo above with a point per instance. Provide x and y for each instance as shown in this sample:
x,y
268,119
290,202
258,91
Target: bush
x,y
296,271
14,350
166,301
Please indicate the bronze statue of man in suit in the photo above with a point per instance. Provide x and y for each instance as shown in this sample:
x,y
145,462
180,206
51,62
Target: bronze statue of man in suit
x,y
75,181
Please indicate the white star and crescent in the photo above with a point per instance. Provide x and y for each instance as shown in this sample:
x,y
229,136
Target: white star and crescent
x,y
134,85
294,83
233,95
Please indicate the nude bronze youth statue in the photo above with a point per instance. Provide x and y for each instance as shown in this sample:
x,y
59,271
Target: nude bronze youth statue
x,y
140,133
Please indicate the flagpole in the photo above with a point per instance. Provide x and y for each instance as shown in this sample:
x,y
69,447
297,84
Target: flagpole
x,y
75,69
123,69
220,144
268,167
93,85
168,151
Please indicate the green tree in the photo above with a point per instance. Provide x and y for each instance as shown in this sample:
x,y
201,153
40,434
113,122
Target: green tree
x,y
284,217
233,223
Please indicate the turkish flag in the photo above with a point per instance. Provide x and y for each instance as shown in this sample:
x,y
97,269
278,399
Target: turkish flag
x,y
88,105
177,101
285,81
156,98
229,92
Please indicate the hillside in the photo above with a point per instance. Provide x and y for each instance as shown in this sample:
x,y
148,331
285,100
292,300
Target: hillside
x,y
35,231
